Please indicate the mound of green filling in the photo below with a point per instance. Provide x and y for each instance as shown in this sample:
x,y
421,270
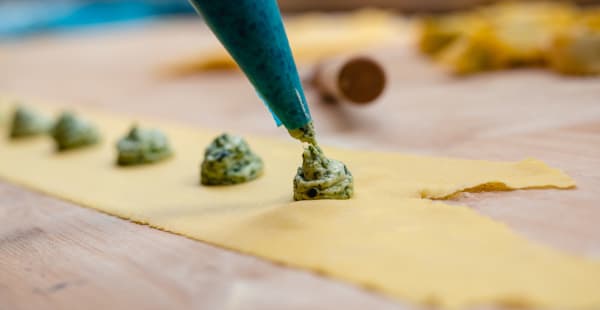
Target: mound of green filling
x,y
229,160
71,132
142,146
322,178
28,123
305,133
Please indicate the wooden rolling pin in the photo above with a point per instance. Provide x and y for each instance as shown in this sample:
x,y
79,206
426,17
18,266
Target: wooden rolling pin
x,y
355,79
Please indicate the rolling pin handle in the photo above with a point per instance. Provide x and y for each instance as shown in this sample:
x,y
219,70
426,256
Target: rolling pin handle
x,y
355,79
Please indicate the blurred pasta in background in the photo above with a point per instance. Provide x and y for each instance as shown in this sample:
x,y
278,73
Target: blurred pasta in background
x,y
559,35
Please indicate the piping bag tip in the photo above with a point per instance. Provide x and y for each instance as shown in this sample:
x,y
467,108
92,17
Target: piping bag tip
x,y
305,133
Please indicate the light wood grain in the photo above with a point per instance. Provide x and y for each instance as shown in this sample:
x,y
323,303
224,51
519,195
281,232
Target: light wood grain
x,y
55,255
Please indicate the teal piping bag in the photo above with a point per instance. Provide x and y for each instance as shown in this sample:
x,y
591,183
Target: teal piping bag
x,y
252,32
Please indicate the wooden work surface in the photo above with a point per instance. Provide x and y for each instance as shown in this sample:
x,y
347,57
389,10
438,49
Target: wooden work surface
x,y
55,255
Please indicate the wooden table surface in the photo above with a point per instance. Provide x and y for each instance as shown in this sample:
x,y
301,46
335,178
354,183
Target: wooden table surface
x,y
55,255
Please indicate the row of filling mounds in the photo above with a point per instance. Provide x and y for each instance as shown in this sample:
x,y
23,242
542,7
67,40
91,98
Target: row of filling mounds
x,y
228,159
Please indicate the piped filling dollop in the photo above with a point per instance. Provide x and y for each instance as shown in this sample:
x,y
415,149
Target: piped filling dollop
x,y
28,123
71,132
322,178
143,146
229,160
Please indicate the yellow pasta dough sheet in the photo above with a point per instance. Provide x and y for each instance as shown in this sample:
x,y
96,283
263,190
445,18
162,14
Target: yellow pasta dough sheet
x,y
392,237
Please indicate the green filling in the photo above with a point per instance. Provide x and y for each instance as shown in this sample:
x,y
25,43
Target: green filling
x,y
229,160
70,132
305,133
322,178
28,123
143,146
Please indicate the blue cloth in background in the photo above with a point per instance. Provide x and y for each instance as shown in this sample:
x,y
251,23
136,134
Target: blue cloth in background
x,y
25,17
